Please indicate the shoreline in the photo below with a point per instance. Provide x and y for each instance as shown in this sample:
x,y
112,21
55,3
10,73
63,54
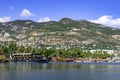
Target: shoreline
x,y
62,62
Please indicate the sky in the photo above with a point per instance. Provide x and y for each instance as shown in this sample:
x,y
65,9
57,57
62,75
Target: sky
x,y
106,12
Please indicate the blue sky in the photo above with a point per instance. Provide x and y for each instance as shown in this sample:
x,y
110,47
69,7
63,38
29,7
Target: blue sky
x,y
45,10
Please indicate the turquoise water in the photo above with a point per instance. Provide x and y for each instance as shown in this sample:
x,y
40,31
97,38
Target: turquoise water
x,y
59,71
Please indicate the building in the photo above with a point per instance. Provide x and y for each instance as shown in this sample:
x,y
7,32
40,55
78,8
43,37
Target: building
x,y
103,51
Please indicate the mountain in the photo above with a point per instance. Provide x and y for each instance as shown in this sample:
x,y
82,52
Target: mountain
x,y
70,32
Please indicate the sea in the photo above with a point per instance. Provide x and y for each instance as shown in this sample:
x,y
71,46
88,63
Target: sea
x,y
59,71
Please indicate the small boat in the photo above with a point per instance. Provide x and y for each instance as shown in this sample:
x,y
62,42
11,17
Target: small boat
x,y
44,60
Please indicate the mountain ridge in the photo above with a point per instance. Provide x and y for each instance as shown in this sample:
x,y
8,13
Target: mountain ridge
x,y
81,33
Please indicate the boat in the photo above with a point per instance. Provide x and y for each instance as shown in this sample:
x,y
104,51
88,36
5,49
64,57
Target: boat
x,y
40,59
30,57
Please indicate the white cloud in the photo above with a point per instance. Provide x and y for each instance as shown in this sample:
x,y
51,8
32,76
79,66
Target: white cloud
x,y
26,13
11,7
108,20
5,19
45,19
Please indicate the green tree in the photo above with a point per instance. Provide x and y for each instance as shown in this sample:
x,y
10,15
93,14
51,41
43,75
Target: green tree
x,y
21,49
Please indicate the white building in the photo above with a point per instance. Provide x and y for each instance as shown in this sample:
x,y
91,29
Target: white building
x,y
103,51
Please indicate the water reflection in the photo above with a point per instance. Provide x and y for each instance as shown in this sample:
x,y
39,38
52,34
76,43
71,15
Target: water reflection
x,y
59,71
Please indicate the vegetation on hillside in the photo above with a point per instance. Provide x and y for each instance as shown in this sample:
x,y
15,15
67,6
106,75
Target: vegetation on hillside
x,y
12,48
